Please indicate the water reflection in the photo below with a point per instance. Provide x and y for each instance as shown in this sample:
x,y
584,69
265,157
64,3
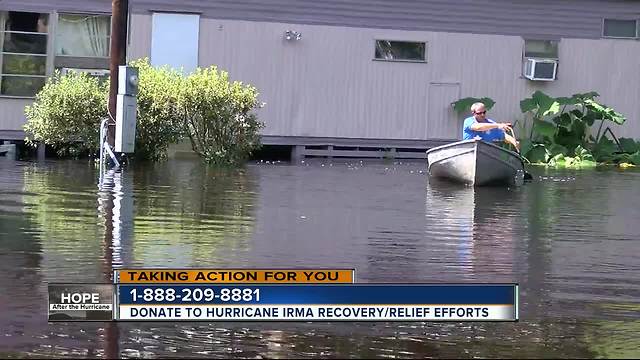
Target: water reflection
x,y
478,226
60,199
201,209
569,239
615,339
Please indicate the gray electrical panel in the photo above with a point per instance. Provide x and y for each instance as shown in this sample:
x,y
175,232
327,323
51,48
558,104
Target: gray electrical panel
x,y
126,109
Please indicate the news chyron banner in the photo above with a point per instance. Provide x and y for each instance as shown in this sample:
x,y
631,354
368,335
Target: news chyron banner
x,y
292,295
81,302
236,276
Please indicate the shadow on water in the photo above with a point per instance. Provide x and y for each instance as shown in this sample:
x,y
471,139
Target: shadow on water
x,y
569,239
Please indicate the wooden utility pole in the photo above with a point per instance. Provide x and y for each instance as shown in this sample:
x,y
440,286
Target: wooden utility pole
x,y
118,56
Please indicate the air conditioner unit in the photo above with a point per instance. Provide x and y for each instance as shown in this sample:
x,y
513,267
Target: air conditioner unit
x,y
90,72
541,69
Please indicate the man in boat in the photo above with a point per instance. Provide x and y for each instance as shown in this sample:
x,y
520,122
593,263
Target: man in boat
x,y
480,126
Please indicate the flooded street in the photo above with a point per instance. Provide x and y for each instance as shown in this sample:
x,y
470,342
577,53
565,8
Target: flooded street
x,y
571,239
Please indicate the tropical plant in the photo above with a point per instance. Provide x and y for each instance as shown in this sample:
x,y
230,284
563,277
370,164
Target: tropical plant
x,y
560,130
464,105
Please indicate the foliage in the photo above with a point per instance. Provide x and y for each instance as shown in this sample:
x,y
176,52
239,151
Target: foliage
x,y
67,112
582,158
559,132
218,116
24,65
159,121
464,105
215,113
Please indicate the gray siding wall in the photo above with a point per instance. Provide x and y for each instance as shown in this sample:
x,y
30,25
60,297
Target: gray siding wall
x,y
540,18
328,85
548,18
100,6
12,113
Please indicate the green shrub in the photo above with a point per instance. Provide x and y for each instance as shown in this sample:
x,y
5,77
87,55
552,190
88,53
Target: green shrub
x,y
218,116
159,121
215,113
67,113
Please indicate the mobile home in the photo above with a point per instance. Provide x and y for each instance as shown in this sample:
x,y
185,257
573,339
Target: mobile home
x,y
345,72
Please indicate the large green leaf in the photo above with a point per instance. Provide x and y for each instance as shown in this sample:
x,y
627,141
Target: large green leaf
x,y
583,153
594,105
528,105
590,117
557,149
579,129
566,100
604,149
464,105
545,128
576,113
629,145
557,160
538,154
604,112
635,158
580,97
547,105
552,109
488,102
541,97
567,139
617,117
525,146
627,158
564,120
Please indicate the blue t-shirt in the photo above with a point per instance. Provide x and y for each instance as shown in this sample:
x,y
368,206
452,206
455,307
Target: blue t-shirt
x,y
491,135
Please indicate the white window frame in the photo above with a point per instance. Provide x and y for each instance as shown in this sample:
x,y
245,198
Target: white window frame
x,y
184,56
637,21
45,55
524,49
55,37
525,58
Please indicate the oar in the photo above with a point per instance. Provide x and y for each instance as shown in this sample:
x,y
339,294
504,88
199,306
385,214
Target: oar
x,y
527,176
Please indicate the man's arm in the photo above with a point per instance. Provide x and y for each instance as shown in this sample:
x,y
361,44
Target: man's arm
x,y
476,126
511,140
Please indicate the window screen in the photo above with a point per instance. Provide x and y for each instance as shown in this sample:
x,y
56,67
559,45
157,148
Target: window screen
x,y
400,50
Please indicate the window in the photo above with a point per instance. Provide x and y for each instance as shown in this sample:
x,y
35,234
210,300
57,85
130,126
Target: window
x,y
83,35
174,41
23,43
620,28
400,51
547,49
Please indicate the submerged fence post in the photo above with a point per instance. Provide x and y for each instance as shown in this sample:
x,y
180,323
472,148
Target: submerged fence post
x,y
41,151
297,153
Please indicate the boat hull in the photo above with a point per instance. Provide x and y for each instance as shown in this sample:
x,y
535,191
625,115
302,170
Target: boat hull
x,y
475,162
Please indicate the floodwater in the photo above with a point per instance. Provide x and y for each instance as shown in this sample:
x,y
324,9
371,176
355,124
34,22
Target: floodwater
x,y
571,239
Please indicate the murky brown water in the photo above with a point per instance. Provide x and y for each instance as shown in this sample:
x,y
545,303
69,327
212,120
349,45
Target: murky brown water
x,y
571,239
